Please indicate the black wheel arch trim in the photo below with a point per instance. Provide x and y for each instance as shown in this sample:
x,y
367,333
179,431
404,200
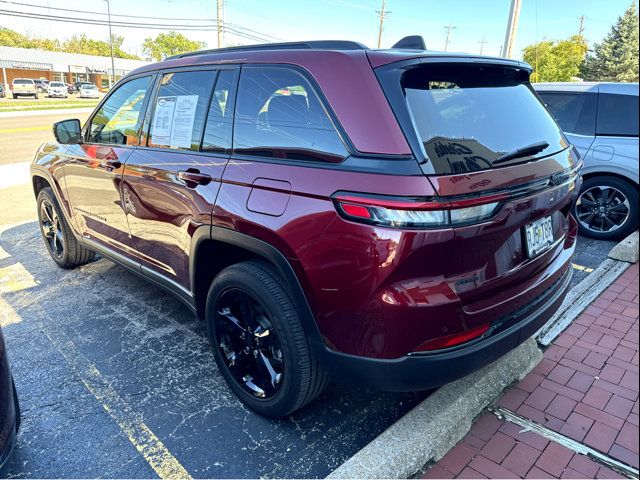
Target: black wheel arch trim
x,y
270,254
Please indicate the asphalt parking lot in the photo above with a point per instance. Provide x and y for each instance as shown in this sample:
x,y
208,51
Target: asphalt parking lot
x,y
116,379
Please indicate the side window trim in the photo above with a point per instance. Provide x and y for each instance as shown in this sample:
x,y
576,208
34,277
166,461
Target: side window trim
x,y
322,99
86,129
208,108
237,70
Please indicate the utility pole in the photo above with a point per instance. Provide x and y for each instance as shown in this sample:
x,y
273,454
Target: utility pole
x,y
219,23
482,44
581,29
112,77
512,28
382,13
448,28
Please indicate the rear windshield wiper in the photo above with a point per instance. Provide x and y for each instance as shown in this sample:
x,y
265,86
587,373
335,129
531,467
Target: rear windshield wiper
x,y
522,152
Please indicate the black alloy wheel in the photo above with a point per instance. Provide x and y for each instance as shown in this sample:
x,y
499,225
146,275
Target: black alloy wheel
x,y
249,343
51,229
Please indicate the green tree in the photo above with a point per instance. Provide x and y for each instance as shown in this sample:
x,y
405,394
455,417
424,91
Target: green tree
x,y
556,61
167,44
76,44
616,58
11,38
89,46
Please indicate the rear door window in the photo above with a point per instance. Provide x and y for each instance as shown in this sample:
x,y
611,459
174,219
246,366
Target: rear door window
x,y
279,115
574,112
617,115
217,133
180,109
469,118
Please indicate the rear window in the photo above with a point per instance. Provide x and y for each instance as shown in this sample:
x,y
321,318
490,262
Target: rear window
x,y
617,115
469,118
23,81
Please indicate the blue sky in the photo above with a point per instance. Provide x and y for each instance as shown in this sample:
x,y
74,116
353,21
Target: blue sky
x,y
345,19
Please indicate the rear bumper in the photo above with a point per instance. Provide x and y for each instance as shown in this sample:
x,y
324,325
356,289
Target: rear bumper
x,y
419,371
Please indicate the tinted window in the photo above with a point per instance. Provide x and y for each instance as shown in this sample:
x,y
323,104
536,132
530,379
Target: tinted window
x,y
180,109
617,115
469,116
217,134
23,82
574,112
279,115
118,120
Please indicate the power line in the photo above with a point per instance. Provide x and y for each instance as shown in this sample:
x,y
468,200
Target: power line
x,y
91,21
446,42
235,29
104,14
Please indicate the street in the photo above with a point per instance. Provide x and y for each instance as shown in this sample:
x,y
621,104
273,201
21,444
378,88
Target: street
x,y
116,377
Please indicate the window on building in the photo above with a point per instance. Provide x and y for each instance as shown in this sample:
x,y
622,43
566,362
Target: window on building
x,y
118,120
180,109
280,116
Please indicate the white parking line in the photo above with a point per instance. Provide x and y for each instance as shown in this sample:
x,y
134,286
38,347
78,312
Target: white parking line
x,y
13,174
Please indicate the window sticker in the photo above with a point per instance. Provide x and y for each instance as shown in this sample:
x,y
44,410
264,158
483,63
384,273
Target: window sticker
x,y
173,121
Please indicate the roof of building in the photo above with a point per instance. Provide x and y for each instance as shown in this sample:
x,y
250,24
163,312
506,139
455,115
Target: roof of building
x,y
13,55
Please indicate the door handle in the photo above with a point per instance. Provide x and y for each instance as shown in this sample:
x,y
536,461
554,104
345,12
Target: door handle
x,y
192,177
110,164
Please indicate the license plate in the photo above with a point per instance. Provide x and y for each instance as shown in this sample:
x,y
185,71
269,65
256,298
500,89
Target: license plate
x,y
539,236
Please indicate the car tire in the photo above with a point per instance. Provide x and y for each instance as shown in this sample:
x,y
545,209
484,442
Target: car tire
x,y
35,96
62,245
622,196
14,96
298,375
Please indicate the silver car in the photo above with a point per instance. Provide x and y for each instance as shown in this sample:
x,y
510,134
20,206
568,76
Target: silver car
x,y
601,121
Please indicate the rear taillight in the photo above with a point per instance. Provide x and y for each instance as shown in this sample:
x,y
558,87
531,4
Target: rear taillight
x,y
453,340
411,212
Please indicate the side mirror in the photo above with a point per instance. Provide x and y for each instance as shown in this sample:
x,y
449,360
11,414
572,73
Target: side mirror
x,y
67,132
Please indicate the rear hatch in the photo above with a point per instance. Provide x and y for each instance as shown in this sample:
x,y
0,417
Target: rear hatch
x,y
482,137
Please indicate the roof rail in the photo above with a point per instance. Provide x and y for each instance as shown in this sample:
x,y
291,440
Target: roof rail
x,y
313,45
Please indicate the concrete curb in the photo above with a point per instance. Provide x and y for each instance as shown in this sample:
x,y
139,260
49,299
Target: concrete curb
x,y
579,298
434,426
626,250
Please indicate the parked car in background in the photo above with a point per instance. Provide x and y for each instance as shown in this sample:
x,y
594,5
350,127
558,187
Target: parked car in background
x,y
9,407
2,92
601,121
77,85
399,220
41,85
57,89
24,87
88,90
71,88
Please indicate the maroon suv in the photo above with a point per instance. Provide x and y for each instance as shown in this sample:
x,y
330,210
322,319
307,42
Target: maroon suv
x,y
394,218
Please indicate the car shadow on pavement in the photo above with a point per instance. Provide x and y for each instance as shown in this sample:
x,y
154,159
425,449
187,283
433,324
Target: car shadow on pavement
x,y
150,349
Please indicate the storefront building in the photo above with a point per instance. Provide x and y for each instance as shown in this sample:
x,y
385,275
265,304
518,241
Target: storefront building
x,y
61,66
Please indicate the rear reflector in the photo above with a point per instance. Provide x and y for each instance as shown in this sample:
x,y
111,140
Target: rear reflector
x,y
453,340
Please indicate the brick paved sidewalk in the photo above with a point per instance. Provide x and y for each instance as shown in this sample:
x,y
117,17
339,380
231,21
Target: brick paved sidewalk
x,y
585,388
